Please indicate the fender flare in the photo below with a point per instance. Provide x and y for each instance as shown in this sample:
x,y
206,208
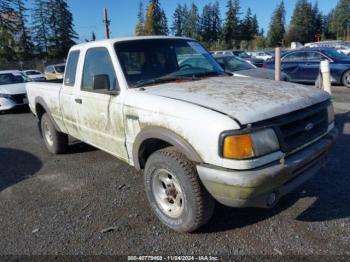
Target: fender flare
x,y
40,101
166,135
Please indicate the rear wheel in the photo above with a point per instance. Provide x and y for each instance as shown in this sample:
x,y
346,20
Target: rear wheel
x,y
346,79
175,192
56,142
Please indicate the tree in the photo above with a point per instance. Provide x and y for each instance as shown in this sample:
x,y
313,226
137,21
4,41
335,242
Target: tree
x,y
40,27
249,27
156,22
62,33
7,27
179,19
301,27
339,23
139,29
211,23
192,22
232,29
24,43
277,26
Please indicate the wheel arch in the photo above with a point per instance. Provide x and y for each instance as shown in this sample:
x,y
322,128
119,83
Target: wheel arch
x,y
151,139
41,108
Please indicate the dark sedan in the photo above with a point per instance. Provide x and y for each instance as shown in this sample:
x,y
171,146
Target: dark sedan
x,y
303,65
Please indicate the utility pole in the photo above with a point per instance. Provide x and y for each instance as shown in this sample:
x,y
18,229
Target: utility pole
x,y
107,22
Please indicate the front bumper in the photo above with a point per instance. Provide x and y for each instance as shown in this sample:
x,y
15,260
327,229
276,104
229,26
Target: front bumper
x,y
264,186
7,104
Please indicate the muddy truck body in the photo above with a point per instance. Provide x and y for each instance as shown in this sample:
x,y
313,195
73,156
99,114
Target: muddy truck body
x,y
164,106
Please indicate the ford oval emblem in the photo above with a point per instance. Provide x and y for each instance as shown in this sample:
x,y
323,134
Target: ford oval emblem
x,y
309,126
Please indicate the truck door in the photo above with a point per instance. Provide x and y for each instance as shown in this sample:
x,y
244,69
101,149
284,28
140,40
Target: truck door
x,y
68,93
100,104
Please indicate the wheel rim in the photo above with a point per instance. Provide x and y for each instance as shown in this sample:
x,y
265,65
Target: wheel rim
x,y
48,134
347,79
168,193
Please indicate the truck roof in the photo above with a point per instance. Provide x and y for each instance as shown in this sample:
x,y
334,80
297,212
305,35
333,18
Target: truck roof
x,y
131,38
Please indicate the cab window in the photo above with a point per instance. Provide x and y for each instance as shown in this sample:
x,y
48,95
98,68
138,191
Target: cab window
x,y
71,70
98,67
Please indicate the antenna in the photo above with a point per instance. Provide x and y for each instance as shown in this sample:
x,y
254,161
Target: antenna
x,y
106,22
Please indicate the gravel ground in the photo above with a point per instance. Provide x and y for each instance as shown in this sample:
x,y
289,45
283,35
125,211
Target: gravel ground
x,y
88,202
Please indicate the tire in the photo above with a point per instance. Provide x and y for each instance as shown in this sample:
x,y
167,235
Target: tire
x,y
175,192
56,142
346,79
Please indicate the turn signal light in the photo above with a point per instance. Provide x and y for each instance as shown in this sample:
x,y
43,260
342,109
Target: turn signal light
x,y
238,147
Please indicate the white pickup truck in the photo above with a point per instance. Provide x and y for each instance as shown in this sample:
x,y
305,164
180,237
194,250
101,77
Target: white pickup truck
x,y
197,133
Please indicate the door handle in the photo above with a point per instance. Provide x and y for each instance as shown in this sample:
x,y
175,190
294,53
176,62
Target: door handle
x,y
78,100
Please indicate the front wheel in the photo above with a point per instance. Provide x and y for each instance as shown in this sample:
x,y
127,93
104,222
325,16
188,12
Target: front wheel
x,y
56,142
346,79
176,194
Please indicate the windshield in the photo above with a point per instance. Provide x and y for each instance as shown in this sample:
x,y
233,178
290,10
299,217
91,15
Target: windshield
x,y
333,53
242,54
60,69
11,78
30,73
235,64
172,59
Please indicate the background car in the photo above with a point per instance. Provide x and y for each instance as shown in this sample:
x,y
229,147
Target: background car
x,y
240,67
12,90
34,75
53,72
303,65
255,61
261,55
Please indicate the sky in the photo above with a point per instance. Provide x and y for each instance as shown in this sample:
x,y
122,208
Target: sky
x,y
88,14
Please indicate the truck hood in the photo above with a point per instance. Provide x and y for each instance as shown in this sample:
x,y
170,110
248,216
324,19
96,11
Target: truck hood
x,y
247,100
13,89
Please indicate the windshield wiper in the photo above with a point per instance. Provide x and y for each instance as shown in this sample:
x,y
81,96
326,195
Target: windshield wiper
x,y
161,80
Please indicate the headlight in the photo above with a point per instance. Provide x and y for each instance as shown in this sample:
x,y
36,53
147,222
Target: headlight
x,y
5,95
251,145
330,112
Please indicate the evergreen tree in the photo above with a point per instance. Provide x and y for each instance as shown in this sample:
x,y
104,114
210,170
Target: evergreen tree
x,y
139,29
179,20
24,43
7,27
40,27
62,33
339,23
216,28
231,30
156,21
249,26
211,23
317,20
277,26
206,24
192,22
301,27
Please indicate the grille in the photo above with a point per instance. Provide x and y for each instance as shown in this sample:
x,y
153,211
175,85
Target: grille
x,y
298,128
18,99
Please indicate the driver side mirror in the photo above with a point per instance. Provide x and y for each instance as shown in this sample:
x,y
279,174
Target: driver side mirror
x,y
101,82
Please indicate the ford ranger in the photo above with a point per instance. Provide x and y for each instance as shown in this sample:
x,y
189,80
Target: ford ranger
x,y
198,134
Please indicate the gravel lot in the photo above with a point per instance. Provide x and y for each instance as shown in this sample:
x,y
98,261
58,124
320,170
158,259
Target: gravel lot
x,y
88,202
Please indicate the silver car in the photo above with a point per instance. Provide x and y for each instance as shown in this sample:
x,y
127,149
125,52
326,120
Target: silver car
x,y
239,67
